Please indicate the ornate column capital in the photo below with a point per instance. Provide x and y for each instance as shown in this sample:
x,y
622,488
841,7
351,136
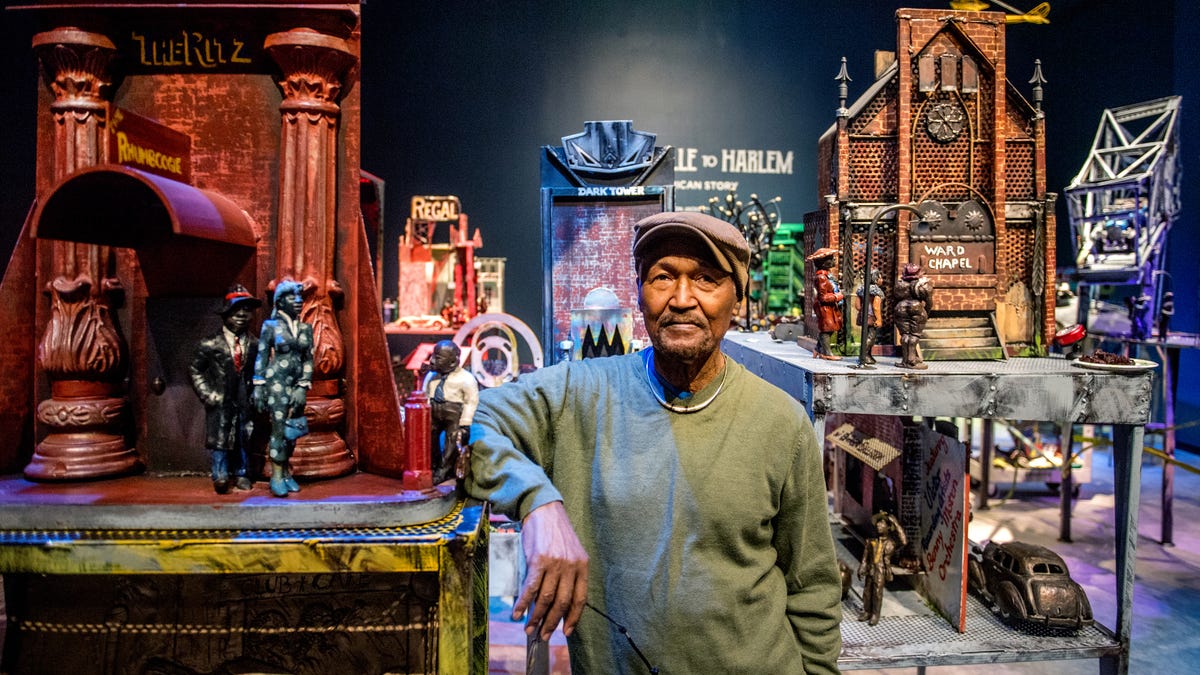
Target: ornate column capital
x,y
318,69
77,67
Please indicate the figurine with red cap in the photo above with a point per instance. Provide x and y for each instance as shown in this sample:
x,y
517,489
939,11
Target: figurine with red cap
x,y
221,371
829,298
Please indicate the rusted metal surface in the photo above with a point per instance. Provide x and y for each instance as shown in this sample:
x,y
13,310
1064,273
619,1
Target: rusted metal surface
x,y
152,502
1049,389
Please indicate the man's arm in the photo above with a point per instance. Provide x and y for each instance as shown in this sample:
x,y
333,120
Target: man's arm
x,y
512,456
209,395
804,542
470,398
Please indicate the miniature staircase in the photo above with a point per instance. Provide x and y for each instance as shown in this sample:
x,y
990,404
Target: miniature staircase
x,y
961,339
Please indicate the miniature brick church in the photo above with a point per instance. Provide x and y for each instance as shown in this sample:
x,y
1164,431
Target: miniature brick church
x,y
943,129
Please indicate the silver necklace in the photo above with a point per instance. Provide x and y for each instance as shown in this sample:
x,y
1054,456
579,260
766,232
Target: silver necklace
x,y
655,387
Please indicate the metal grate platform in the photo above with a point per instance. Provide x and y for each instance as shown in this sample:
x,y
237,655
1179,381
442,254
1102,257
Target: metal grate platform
x,y
910,633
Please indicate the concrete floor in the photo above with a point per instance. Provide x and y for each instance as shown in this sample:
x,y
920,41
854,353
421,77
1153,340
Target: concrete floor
x,y
1166,624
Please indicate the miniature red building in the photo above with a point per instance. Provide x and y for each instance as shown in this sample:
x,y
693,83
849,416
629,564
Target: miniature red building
x,y
182,148
943,129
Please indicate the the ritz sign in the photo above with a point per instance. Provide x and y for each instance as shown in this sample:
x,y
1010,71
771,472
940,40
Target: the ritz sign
x,y
188,48
436,209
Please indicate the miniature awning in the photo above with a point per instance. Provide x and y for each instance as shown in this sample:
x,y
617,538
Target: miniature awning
x,y
188,240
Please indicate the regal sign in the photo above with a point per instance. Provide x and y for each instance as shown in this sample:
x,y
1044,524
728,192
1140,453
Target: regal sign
x,y
145,144
436,209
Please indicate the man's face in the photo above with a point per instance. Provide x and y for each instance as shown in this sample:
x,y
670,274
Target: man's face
x,y
238,319
444,360
687,302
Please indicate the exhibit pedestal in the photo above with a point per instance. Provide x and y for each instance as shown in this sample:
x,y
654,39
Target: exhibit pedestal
x,y
1048,389
161,573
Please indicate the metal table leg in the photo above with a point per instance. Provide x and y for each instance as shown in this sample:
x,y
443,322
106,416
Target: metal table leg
x,y
1127,464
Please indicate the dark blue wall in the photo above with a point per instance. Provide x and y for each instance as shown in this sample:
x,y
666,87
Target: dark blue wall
x,y
459,96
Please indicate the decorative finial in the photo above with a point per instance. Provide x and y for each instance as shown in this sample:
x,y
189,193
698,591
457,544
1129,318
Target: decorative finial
x,y
1037,81
843,91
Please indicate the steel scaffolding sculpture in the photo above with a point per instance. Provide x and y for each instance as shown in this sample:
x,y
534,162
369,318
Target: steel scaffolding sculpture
x,y
1123,202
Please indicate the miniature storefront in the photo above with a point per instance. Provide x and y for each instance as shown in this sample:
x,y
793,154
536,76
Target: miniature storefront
x,y
183,151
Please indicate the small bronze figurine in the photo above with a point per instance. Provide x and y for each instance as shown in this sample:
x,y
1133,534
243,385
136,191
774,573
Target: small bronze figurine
x,y
1139,316
282,376
1164,315
220,372
874,316
828,303
914,296
875,569
453,396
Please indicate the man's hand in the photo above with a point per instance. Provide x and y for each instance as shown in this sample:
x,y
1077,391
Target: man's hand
x,y
259,397
556,572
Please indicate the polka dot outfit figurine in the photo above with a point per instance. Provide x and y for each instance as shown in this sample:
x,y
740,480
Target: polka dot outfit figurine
x,y
282,376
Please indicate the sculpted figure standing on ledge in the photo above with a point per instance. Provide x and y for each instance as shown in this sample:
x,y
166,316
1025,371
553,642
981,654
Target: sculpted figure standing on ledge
x,y
871,313
220,371
914,296
282,376
829,301
453,396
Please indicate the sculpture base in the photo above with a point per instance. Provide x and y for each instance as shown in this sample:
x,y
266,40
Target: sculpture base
x,y
321,454
81,456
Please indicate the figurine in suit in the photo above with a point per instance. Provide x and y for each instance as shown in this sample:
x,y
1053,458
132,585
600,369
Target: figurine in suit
x,y
453,396
828,305
282,376
220,372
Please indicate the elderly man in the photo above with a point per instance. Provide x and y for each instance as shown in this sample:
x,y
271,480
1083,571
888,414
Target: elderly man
x,y
670,490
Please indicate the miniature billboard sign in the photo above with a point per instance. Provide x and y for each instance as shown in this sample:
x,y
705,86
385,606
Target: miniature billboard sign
x,y
872,451
944,513
435,209
143,143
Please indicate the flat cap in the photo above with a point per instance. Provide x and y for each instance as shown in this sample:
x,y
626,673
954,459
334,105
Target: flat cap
x,y
823,252
729,248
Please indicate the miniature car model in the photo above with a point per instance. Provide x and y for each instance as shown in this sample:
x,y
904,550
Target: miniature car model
x,y
422,322
1028,583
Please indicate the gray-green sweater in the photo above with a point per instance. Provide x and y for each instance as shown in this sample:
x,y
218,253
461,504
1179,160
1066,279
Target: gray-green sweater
x,y
707,532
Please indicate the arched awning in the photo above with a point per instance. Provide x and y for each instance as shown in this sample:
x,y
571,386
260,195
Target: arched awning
x,y
189,241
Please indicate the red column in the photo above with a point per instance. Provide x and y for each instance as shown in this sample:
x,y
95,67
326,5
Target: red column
x,y
316,72
81,351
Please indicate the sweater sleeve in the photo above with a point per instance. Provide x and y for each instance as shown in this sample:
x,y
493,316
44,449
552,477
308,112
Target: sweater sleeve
x,y
804,542
512,441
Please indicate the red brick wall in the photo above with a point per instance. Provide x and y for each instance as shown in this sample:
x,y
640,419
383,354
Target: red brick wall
x,y
590,247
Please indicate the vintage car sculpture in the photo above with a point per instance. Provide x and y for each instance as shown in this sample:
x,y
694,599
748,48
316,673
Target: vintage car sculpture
x,y
1028,583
